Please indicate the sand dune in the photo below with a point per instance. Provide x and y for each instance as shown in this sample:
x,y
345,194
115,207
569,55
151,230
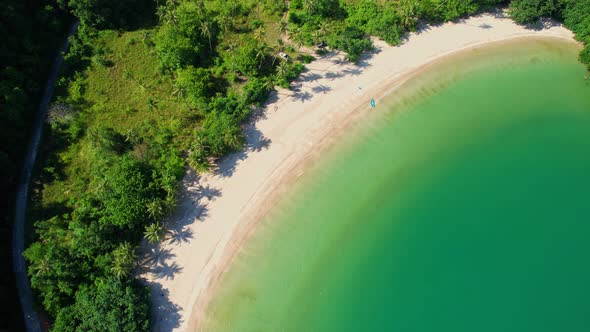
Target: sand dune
x,y
217,210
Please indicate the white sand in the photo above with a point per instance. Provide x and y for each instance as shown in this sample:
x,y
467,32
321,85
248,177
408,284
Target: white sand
x,y
214,214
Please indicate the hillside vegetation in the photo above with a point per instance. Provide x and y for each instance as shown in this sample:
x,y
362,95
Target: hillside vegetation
x,y
148,88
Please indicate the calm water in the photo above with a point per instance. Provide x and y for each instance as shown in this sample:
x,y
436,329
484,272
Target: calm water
x,y
461,205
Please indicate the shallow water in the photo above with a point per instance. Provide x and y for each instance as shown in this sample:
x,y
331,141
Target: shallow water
x,y
462,204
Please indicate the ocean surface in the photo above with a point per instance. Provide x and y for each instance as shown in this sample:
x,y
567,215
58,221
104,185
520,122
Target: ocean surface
x,y
462,203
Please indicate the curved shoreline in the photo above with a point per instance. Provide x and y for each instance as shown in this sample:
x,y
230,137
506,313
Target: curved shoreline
x,y
282,143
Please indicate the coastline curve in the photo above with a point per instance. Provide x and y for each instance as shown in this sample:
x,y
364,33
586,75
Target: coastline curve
x,y
300,130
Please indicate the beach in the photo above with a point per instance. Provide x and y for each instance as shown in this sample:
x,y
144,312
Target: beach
x,y
217,211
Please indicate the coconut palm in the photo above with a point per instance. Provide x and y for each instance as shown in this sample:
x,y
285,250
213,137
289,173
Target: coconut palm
x,y
223,21
269,83
282,27
42,267
309,6
259,34
282,70
167,12
261,55
206,31
279,48
123,258
154,232
200,8
296,36
200,145
323,29
316,36
155,209
408,11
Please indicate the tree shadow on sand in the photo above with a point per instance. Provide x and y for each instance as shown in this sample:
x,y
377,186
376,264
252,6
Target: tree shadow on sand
x,y
301,96
255,142
310,77
179,235
166,271
321,89
165,312
154,256
333,75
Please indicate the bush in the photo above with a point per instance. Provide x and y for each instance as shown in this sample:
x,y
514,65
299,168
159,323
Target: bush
x,y
529,11
112,305
195,86
175,49
374,20
585,56
353,41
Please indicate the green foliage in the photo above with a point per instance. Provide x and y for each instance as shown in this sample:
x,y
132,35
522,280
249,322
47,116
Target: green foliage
x,y
108,139
123,259
109,305
453,9
181,40
101,14
137,97
154,232
576,15
529,11
175,49
244,59
374,20
353,41
126,192
222,132
195,86
585,56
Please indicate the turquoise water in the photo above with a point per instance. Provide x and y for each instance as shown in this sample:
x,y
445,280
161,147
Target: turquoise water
x,y
462,204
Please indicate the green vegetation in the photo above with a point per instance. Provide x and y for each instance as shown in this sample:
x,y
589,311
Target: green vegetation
x,y
574,13
137,100
31,32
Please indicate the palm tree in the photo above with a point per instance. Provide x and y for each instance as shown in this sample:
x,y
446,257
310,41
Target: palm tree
x,y
316,35
200,145
407,11
155,209
259,33
323,29
206,32
200,7
269,83
167,12
282,27
282,70
261,55
309,6
42,268
223,21
123,258
197,159
279,48
154,232
296,36
232,138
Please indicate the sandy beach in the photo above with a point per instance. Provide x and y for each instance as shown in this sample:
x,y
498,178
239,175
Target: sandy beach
x,y
217,211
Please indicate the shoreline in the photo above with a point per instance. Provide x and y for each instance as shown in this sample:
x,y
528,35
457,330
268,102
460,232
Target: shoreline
x,y
293,132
